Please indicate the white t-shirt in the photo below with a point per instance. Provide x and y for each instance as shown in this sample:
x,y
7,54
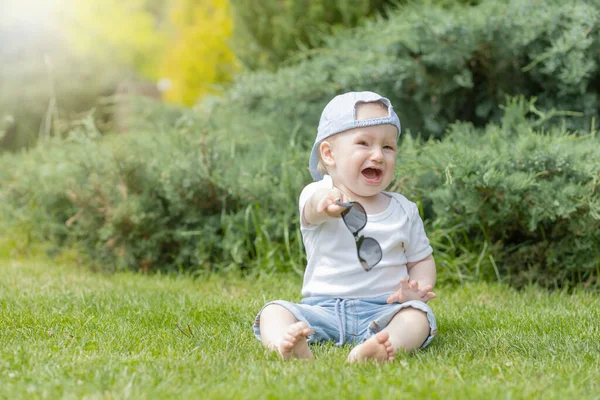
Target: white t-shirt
x,y
333,269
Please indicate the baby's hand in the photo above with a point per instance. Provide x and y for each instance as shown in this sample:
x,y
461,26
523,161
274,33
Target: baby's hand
x,y
410,291
327,204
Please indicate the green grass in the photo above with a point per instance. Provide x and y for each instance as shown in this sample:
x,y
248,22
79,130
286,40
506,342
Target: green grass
x,y
66,332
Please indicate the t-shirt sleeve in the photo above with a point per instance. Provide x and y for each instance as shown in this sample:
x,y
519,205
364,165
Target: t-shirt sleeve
x,y
308,191
418,245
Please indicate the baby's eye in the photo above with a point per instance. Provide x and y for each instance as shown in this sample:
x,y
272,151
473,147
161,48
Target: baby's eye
x,y
389,147
362,143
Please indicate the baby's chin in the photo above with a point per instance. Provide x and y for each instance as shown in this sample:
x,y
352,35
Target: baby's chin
x,y
361,188
365,190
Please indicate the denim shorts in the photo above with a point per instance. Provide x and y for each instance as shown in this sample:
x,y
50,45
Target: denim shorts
x,y
348,320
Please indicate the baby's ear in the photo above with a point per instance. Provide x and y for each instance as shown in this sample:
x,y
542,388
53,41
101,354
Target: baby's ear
x,y
326,152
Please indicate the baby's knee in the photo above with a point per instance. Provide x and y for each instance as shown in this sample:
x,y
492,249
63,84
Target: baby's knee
x,y
276,312
413,316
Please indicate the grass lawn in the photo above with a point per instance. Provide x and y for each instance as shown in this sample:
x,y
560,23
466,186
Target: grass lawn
x,y
66,332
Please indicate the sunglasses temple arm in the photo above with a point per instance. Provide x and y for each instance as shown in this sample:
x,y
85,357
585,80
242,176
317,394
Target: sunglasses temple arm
x,y
341,203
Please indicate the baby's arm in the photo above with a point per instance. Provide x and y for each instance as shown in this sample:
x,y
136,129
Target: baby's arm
x,y
423,272
421,279
321,206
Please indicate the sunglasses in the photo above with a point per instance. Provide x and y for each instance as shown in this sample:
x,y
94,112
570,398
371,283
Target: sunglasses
x,y
368,249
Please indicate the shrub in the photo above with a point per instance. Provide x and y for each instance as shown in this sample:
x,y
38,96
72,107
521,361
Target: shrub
x,y
526,198
269,33
170,200
441,65
508,202
218,189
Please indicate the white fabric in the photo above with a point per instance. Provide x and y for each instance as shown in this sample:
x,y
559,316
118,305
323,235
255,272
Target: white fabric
x,y
333,269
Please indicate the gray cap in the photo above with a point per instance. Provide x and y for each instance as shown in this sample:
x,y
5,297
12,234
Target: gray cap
x,y
339,115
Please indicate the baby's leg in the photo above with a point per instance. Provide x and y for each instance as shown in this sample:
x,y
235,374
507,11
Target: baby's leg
x,y
280,331
408,330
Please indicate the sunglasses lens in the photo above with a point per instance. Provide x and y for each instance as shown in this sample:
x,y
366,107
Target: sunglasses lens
x,y
355,217
369,253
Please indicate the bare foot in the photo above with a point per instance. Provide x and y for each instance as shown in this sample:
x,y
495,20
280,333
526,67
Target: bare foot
x,y
294,344
377,348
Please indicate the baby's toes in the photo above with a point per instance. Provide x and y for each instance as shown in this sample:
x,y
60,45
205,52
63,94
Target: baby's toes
x,y
390,350
294,344
288,343
298,328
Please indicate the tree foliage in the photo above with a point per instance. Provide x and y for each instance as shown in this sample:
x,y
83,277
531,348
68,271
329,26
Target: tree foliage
x,y
44,83
130,32
184,42
267,32
198,60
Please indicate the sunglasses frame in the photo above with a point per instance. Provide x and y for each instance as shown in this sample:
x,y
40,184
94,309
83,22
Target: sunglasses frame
x,y
360,239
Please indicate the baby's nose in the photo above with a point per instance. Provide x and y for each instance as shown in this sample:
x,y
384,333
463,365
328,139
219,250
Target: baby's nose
x,y
377,155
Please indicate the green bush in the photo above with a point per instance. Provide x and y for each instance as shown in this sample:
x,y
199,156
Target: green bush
x,y
218,189
34,195
526,198
270,32
169,200
510,202
440,65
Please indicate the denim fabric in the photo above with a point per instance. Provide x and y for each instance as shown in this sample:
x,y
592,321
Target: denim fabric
x,y
349,321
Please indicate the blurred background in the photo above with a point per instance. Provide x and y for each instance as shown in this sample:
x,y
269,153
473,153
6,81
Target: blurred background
x,y
174,134
62,58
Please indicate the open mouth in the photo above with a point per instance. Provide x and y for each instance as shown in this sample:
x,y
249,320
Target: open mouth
x,y
372,175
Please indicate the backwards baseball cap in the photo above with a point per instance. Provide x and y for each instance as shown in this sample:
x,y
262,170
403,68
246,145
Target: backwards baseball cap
x,y
339,115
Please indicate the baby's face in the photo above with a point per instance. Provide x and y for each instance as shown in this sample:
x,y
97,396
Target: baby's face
x,y
365,157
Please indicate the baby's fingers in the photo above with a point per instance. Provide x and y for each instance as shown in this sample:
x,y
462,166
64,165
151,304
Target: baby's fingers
x,y
404,284
323,204
426,289
335,210
428,296
393,298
